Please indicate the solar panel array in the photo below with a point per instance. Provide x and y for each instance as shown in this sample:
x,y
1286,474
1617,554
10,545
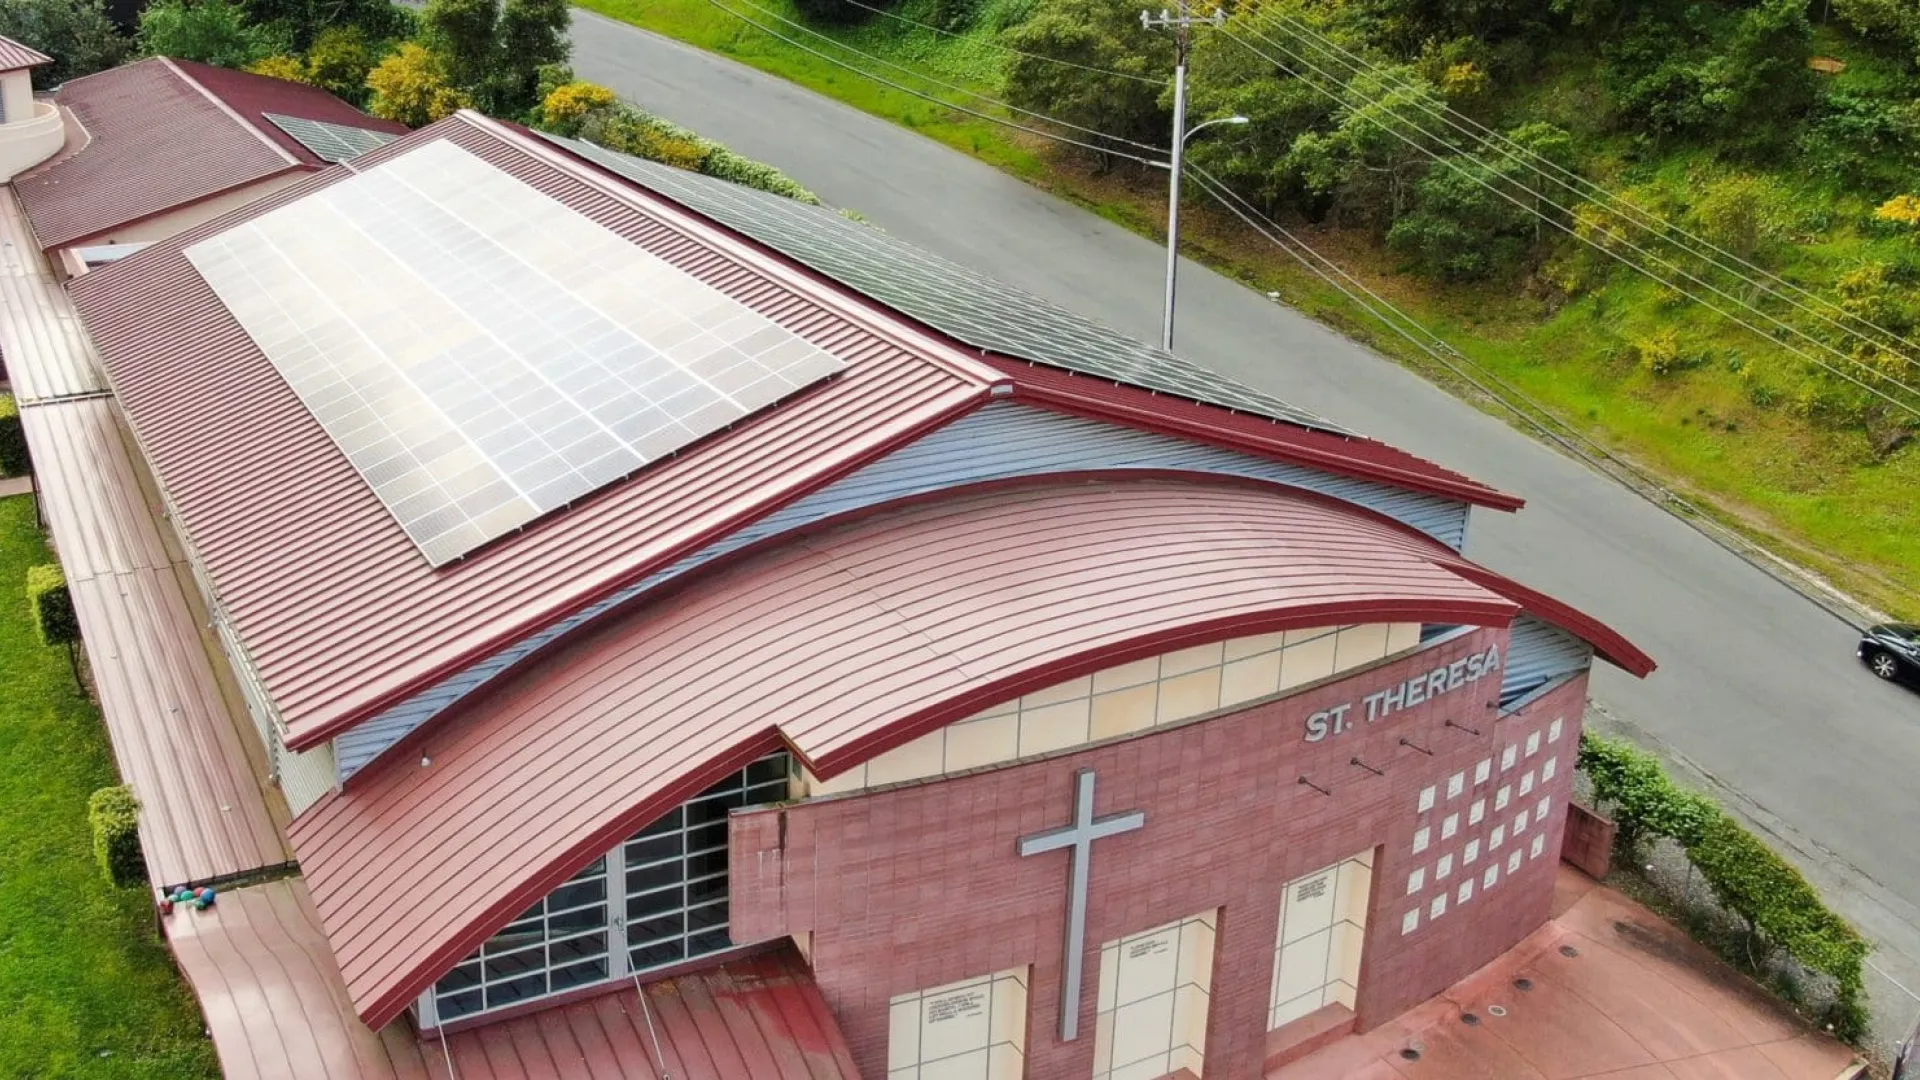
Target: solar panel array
x,y
330,142
949,297
481,353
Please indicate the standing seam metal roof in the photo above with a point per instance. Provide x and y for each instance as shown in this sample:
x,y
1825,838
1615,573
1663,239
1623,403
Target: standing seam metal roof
x,y
338,613
841,645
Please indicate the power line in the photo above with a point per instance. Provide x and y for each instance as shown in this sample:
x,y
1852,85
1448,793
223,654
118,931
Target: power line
x,y
1533,415
1604,249
1008,49
937,82
1652,224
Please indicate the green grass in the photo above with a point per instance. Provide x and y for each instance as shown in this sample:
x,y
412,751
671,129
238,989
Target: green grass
x,y
1814,494
89,990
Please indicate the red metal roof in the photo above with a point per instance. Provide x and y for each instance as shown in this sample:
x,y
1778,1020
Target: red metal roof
x,y
162,134
14,56
840,645
338,614
276,1010
1349,455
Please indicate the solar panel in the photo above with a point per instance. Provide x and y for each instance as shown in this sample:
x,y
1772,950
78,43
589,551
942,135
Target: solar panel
x,y
330,142
949,297
481,353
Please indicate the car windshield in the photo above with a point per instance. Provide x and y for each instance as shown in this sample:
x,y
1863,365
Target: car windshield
x,y
1907,631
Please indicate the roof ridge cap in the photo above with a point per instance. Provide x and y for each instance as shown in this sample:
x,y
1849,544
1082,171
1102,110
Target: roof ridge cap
x,y
232,113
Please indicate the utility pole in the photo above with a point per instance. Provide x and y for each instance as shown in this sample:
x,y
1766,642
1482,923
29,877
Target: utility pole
x,y
1182,26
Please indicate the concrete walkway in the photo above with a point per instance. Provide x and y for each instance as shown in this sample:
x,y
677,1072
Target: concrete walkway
x,y
1612,991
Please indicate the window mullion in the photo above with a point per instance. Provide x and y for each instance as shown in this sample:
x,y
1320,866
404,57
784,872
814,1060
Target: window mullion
x,y
617,967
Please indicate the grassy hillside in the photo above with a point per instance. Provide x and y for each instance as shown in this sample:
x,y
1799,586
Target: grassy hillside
x,y
1775,445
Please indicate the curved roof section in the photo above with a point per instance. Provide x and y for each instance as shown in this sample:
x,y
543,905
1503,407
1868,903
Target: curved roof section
x,y
164,133
839,645
337,615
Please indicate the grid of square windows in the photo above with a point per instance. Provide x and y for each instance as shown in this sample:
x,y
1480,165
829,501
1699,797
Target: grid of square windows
x,y
658,899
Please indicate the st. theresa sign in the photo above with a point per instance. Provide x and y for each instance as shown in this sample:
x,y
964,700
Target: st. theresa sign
x,y
1425,686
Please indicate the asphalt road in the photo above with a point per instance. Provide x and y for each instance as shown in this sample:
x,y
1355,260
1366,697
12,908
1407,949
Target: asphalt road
x,y
1758,688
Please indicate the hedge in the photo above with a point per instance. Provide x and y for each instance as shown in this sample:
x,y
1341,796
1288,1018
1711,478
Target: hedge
x,y
591,112
52,605
1748,878
114,816
14,460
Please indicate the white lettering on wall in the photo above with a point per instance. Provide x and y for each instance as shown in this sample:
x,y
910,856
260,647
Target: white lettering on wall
x,y
1425,686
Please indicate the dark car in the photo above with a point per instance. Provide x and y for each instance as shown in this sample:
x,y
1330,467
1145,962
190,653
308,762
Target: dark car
x,y
1892,650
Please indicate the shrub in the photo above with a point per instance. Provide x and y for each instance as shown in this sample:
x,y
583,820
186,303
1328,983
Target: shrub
x,y
1660,353
1749,878
114,816
288,68
634,131
14,460
1899,210
567,107
411,86
52,605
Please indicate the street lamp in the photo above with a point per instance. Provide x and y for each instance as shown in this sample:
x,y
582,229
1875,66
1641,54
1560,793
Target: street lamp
x,y
1173,195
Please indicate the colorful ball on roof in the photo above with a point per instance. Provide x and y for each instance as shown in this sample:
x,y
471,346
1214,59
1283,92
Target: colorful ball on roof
x,y
166,905
206,897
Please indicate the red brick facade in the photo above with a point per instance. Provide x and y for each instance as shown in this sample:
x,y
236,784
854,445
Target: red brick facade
x,y
920,885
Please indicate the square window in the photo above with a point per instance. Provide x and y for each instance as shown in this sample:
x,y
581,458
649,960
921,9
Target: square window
x,y
1483,770
1539,845
1533,743
1456,784
1499,837
1449,826
1520,823
1513,861
1547,769
1526,782
1502,797
1472,853
1553,730
1421,836
1410,922
1443,869
1438,907
1464,893
1491,877
1426,799
1477,811
1416,880
1508,756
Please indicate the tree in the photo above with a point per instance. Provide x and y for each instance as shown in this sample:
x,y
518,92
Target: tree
x,y
532,35
1365,167
411,86
340,61
494,54
76,33
209,31
304,21
1096,33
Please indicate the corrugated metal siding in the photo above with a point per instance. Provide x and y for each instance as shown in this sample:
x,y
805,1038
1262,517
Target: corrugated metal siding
x,y
1539,653
1001,441
304,776
334,607
843,643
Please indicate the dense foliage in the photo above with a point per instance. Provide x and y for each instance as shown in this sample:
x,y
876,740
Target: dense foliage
x,y
593,113
76,33
1749,878
51,605
14,458
207,31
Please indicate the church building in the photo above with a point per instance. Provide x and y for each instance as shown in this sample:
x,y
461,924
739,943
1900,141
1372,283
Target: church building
x,y
632,577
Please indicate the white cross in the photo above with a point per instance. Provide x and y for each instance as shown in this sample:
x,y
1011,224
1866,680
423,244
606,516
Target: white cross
x,y
1079,835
